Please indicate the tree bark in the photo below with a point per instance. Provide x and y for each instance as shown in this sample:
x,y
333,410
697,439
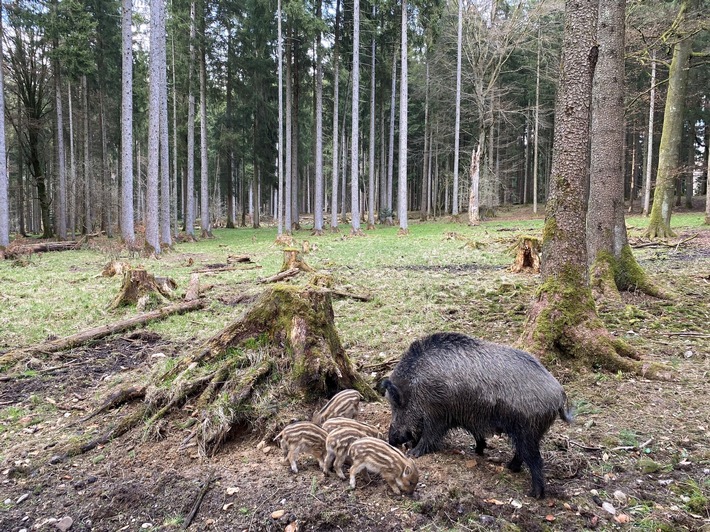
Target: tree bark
x,y
355,127
563,324
457,127
659,225
165,219
152,229
204,157
336,111
190,177
612,264
127,225
4,179
318,203
403,105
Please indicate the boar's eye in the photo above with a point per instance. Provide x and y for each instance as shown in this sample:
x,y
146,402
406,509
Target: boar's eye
x,y
392,393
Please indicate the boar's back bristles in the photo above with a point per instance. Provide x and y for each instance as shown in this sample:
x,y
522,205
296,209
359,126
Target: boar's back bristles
x,y
342,404
303,436
379,457
337,422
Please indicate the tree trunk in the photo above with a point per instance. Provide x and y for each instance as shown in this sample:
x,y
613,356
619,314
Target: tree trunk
x,y
355,127
473,196
288,217
165,219
4,179
424,206
403,104
457,123
659,225
390,155
88,223
152,230
649,139
280,136
562,324
371,168
318,203
536,149
127,226
612,264
61,156
190,177
204,157
336,110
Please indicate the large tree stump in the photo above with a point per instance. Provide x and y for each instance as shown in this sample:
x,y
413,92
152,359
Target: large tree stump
x,y
138,285
257,371
527,255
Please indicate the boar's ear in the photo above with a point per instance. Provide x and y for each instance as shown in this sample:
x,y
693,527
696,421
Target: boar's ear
x,y
392,393
407,470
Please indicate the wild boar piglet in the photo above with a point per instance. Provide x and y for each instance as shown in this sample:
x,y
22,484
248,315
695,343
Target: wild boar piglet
x,y
303,436
337,422
342,404
377,456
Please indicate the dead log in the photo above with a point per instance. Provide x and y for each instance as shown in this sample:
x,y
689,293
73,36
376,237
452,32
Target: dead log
x,y
293,272
239,258
138,283
528,250
25,249
96,333
350,295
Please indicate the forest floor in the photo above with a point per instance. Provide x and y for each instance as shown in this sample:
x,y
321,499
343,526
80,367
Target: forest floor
x,y
636,458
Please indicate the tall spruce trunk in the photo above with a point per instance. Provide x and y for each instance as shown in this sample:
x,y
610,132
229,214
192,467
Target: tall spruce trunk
x,y
336,110
355,125
371,166
88,223
403,105
61,214
563,324
4,179
190,176
165,219
457,123
318,203
127,225
612,264
204,168
152,230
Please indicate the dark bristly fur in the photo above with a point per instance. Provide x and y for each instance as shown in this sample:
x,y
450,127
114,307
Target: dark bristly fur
x,y
303,436
342,404
450,380
377,456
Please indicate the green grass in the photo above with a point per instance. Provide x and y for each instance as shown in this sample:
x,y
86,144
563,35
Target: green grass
x,y
420,283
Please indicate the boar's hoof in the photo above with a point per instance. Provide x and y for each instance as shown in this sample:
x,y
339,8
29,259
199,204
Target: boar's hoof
x,y
515,465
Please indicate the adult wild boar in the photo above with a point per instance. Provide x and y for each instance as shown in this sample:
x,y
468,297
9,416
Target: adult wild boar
x,y
450,380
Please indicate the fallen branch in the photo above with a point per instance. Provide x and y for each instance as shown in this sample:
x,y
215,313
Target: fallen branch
x,y
90,335
292,272
198,500
689,334
342,293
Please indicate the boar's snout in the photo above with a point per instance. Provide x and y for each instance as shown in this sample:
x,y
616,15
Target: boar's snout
x,y
398,436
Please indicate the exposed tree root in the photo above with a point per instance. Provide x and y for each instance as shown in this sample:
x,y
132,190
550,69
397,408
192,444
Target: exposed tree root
x,y
124,395
564,328
283,349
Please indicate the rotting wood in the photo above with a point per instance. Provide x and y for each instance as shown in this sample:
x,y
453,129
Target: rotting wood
x,y
96,333
14,251
225,269
138,283
239,258
280,276
528,250
115,267
193,288
293,259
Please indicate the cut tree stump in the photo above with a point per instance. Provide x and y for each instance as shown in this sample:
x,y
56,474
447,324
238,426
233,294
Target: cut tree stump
x,y
138,283
293,259
282,351
527,251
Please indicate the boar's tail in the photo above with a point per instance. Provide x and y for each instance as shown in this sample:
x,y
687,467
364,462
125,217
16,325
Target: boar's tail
x,y
566,412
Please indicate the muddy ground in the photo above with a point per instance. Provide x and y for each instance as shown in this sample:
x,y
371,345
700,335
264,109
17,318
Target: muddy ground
x,y
636,458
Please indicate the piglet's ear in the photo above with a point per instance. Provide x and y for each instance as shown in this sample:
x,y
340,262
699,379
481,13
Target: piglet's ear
x,y
392,393
407,471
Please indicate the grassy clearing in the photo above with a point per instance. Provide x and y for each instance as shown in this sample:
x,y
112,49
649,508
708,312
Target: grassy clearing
x,y
425,282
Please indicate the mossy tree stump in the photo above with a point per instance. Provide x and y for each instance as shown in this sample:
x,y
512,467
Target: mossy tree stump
x,y
527,250
283,350
139,285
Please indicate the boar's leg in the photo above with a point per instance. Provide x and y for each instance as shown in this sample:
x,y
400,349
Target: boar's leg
x,y
329,461
338,467
429,441
354,470
516,464
480,443
527,449
292,457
